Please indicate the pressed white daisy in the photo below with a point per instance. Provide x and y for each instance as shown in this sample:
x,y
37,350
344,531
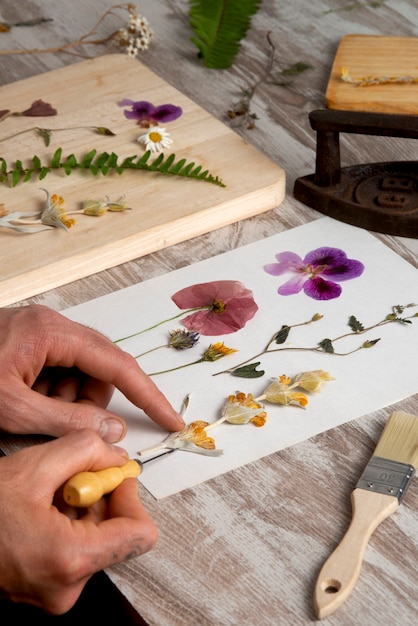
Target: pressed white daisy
x,y
156,139
132,49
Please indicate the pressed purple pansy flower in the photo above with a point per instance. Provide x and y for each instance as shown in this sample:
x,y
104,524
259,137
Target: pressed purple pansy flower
x,y
147,114
318,274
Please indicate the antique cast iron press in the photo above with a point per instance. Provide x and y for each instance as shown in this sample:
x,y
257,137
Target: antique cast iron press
x,y
381,197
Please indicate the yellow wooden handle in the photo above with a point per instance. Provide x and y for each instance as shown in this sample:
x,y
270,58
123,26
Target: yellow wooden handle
x,y
86,488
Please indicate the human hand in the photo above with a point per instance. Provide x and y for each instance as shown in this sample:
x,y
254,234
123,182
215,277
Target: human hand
x,y
48,553
57,376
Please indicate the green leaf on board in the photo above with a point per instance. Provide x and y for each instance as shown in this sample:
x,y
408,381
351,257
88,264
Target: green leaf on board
x,y
219,27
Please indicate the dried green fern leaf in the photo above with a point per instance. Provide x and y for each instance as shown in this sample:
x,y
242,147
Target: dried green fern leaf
x,y
219,27
104,164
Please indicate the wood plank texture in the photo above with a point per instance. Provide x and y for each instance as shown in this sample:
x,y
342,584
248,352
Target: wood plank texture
x,y
246,548
375,55
165,209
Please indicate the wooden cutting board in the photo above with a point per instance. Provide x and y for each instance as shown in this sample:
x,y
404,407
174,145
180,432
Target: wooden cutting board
x,y
165,209
375,55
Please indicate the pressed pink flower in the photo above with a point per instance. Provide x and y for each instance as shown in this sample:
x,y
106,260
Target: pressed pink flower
x,y
313,274
220,307
39,108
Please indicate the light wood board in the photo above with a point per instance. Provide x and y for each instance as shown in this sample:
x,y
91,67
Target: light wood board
x,y
375,55
165,209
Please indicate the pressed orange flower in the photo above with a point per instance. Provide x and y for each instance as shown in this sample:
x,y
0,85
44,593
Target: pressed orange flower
x,y
312,381
285,391
196,433
217,351
213,353
193,438
241,408
54,213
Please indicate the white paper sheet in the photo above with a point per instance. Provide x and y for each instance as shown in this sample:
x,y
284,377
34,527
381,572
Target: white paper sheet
x,y
364,381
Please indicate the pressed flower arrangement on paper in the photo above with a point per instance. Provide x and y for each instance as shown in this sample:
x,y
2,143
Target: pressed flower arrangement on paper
x,y
224,307
258,370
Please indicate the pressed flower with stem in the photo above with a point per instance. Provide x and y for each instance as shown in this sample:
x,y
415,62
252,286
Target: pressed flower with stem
x,y
46,133
179,339
54,215
133,38
318,273
248,368
242,408
219,307
39,108
215,352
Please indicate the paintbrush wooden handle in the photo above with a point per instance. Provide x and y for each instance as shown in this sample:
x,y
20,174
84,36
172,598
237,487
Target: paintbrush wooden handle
x,y
86,488
340,572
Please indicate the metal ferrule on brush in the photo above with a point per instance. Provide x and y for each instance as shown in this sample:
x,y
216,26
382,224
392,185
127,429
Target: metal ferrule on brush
x,y
385,476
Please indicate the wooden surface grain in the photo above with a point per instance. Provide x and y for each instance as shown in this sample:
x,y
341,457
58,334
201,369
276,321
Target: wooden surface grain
x,y
247,547
374,56
163,210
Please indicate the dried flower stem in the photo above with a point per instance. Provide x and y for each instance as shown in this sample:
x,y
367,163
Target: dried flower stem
x,y
86,39
369,81
359,330
170,319
46,132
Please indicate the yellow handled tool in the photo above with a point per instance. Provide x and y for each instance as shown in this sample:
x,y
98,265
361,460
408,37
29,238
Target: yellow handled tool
x,y
86,488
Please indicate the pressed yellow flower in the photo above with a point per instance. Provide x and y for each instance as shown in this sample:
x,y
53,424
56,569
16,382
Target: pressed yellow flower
x,y
193,438
280,392
54,213
242,408
213,353
312,381
196,433
99,207
285,391
119,205
94,207
217,351
3,210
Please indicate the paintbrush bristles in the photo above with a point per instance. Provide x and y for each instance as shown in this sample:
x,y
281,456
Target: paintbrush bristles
x,y
399,440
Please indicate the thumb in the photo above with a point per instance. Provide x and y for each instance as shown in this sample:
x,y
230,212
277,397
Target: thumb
x,y
45,467
36,413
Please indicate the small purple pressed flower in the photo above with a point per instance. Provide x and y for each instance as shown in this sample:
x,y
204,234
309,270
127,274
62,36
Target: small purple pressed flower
x,y
147,114
313,274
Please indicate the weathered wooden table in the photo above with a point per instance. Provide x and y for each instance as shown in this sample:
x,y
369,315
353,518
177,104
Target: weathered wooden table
x,y
246,548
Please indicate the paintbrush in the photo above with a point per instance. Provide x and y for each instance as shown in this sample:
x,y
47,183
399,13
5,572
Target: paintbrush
x,y
377,495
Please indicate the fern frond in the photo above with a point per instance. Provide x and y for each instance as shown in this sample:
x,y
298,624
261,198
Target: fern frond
x,y
104,164
219,26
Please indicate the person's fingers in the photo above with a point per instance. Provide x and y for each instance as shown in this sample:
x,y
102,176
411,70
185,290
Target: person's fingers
x,y
72,385
51,464
128,532
36,413
60,342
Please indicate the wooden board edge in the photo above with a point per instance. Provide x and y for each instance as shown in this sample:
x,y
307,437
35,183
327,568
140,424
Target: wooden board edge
x,y
158,238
